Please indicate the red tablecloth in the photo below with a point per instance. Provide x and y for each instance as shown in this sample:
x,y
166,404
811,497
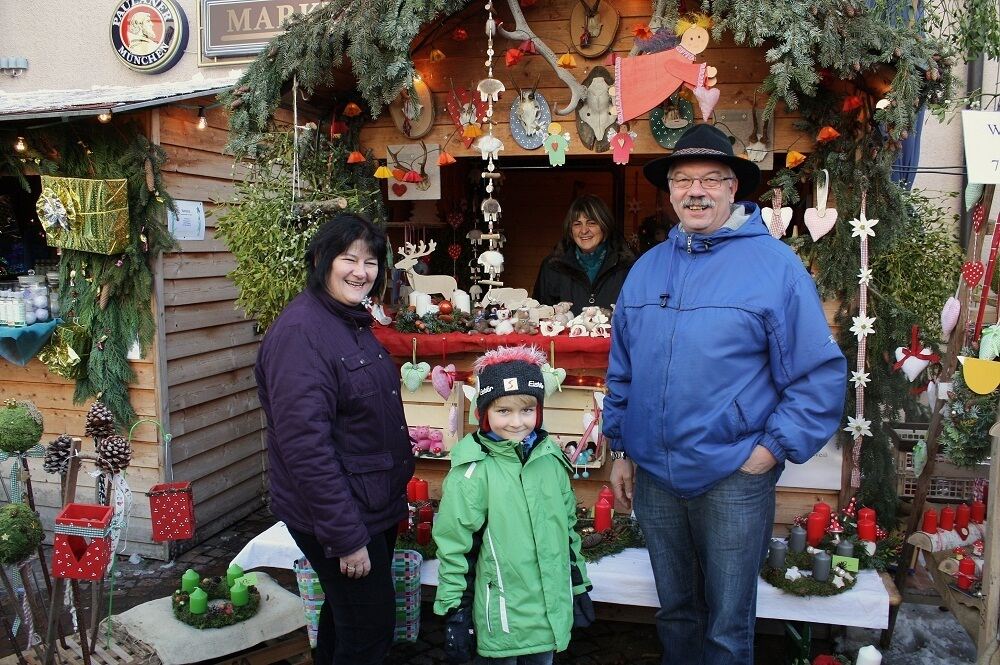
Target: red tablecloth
x,y
571,352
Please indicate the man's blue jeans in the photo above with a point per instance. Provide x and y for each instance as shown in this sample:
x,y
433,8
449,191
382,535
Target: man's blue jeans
x,y
706,554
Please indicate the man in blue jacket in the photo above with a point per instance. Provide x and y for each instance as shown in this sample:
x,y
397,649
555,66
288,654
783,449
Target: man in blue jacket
x,y
722,367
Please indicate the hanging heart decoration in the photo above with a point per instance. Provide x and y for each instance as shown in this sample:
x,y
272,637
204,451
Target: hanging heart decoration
x,y
707,99
978,216
820,220
972,272
553,378
913,359
443,379
776,224
455,219
398,188
414,374
454,251
989,343
949,316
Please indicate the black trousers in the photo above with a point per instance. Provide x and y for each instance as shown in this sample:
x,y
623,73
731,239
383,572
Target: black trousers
x,y
357,619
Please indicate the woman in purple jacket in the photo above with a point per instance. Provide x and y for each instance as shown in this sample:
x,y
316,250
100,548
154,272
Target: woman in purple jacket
x,y
338,448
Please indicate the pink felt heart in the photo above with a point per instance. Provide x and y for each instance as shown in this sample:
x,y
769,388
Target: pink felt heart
x,y
443,378
777,226
949,316
398,188
972,272
707,99
819,225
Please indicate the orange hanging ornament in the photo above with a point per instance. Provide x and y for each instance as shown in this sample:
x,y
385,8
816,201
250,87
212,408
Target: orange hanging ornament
x,y
827,134
851,103
472,131
355,157
641,31
437,55
398,174
567,61
446,158
793,159
512,56
352,110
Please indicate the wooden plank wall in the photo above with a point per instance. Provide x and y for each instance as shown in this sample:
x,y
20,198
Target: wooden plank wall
x,y
210,346
740,71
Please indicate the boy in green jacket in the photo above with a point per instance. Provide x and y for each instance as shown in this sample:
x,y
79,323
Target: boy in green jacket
x,y
510,560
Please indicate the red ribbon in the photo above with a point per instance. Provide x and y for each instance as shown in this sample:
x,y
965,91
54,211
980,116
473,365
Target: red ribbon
x,y
915,350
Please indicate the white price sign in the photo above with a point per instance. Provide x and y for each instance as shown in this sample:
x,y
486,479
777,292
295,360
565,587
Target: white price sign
x,y
189,222
981,130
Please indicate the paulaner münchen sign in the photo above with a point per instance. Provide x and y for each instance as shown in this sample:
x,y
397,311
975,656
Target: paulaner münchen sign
x,y
149,36
243,27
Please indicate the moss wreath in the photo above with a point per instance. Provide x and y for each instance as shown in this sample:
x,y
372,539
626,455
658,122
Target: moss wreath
x,y
218,615
805,585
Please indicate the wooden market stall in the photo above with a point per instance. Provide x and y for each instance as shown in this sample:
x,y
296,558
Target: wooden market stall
x,y
196,378
535,197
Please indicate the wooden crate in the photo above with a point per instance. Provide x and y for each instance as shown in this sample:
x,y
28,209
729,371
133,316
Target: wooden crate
x,y
425,407
564,417
117,653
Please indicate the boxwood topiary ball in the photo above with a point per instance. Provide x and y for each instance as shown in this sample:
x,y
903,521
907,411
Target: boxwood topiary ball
x,y
20,426
20,533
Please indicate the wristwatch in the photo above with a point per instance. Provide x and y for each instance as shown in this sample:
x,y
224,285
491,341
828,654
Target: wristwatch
x,y
618,454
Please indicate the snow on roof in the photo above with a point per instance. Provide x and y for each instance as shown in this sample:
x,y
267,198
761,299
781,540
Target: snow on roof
x,y
102,99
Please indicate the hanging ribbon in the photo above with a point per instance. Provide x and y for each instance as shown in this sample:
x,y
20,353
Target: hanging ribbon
x,y
859,386
915,351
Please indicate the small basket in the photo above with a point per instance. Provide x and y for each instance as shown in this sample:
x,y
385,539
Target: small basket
x,y
311,593
171,507
406,576
81,545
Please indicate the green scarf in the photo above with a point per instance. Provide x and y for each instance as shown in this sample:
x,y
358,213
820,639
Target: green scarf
x,y
592,262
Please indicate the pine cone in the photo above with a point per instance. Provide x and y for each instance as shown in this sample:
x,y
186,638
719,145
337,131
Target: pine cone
x,y
100,421
57,455
104,297
147,166
114,453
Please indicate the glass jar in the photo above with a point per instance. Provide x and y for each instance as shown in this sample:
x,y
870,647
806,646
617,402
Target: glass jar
x,y
52,280
36,301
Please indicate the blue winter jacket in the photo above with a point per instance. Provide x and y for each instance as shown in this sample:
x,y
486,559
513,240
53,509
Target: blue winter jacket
x,y
719,344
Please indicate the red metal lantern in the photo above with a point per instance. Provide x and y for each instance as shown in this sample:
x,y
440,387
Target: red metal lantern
x,y
171,508
81,546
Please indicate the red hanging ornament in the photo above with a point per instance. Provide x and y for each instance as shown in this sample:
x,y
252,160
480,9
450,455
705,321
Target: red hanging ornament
x,y
355,157
454,251
337,129
412,176
455,219
528,47
978,216
827,134
851,103
352,110
460,34
512,56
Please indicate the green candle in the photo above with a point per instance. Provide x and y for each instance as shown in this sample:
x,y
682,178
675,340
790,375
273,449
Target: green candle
x,y
239,594
198,601
233,573
190,580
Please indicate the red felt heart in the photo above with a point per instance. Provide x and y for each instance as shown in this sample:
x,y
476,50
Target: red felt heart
x,y
398,188
978,215
972,272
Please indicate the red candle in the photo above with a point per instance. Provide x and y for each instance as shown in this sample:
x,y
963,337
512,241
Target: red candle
x,y
420,492
423,533
978,512
606,492
816,527
602,514
966,573
425,514
866,530
930,522
867,514
962,515
947,518
824,508
404,526
411,489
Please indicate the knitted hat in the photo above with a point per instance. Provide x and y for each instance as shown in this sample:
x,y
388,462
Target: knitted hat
x,y
509,370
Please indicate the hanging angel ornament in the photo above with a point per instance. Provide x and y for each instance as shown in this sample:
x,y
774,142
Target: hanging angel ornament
x,y
643,81
556,144
821,219
622,143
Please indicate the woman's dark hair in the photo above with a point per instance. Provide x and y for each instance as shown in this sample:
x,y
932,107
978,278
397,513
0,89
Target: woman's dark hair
x,y
334,238
591,207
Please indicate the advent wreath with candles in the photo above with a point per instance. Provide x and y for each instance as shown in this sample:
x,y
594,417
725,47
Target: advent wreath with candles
x,y
214,603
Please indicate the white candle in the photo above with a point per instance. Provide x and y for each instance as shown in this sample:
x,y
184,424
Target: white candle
x,y
423,303
414,297
461,301
868,655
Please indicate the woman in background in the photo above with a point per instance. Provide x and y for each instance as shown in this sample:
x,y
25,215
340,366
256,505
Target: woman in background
x,y
590,264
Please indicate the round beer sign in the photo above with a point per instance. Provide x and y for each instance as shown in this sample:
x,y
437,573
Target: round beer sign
x,y
149,36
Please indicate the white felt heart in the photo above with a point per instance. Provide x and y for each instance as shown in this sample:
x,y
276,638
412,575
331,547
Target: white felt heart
x,y
819,225
553,378
707,99
414,375
949,316
778,226
912,366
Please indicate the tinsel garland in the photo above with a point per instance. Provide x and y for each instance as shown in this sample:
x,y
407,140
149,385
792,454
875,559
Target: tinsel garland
x,y
108,152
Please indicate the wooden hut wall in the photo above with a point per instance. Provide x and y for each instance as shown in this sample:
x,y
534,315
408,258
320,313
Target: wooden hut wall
x,y
208,345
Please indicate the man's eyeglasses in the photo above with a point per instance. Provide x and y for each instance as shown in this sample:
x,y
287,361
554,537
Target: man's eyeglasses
x,y
682,183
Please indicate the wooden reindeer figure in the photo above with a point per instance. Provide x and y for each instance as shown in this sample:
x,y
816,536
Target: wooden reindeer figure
x,y
429,284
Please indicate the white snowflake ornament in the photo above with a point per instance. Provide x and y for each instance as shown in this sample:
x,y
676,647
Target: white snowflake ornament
x,y
863,326
858,426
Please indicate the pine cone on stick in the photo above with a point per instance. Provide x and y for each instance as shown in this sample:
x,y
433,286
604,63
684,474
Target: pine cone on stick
x,y
114,453
100,421
57,455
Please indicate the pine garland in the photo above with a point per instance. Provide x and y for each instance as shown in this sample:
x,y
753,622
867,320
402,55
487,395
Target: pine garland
x,y
965,434
107,152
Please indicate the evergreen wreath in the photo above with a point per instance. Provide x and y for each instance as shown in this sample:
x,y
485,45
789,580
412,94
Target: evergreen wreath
x,y
218,615
107,295
805,585
624,533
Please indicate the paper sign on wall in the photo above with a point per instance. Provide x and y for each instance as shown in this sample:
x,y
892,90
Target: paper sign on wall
x,y
981,130
822,472
189,221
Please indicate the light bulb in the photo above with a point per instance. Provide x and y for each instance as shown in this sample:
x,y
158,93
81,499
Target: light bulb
x,y
202,120
104,118
20,145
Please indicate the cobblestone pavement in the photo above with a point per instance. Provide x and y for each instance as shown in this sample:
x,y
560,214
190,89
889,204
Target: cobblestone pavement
x,y
605,643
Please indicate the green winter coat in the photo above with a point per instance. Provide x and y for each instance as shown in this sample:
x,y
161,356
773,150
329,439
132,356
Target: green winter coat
x,y
524,517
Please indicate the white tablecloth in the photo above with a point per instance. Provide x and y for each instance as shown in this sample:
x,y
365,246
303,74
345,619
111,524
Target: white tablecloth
x,y
627,579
